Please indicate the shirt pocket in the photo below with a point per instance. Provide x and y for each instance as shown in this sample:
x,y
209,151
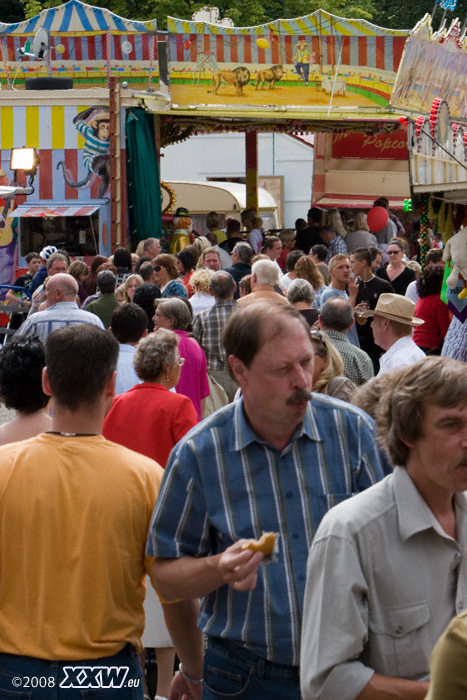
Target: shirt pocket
x,y
399,640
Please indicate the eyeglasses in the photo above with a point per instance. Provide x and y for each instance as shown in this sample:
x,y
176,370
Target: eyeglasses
x,y
317,335
394,252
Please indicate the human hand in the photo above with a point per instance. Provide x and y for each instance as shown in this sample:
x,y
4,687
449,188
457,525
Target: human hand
x,y
180,689
352,287
239,567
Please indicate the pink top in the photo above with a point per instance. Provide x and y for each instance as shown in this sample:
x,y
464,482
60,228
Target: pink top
x,y
193,376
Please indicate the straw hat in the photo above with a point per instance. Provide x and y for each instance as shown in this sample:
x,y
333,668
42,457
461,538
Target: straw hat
x,y
396,308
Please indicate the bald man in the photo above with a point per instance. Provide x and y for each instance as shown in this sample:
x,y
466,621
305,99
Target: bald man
x,y
62,309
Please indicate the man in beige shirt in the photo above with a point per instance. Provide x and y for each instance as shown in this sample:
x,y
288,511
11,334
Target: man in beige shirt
x,y
264,277
387,569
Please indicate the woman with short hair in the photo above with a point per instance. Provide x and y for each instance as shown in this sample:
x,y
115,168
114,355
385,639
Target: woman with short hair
x,y
175,315
166,276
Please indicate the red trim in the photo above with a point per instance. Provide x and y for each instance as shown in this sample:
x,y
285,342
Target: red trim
x,y
78,48
71,164
345,61
247,49
234,49
46,175
380,57
355,201
398,44
362,51
220,48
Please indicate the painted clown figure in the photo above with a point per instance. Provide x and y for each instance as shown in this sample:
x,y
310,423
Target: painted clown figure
x,y
183,227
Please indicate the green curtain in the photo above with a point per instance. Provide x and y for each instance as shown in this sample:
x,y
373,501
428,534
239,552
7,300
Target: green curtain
x,y
144,192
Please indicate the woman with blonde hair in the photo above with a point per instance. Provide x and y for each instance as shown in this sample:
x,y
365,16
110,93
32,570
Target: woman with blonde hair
x,y
334,219
306,269
130,285
201,243
360,236
328,369
202,297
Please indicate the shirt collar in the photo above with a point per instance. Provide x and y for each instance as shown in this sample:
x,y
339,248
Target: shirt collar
x,y
413,512
337,335
63,304
401,343
243,435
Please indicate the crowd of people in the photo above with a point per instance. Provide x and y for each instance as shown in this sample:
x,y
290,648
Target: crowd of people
x,y
172,407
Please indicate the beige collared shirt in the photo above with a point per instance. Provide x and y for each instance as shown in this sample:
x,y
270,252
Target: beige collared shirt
x,y
383,582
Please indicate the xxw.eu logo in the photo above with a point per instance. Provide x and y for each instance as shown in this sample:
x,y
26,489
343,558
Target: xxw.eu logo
x,y
95,677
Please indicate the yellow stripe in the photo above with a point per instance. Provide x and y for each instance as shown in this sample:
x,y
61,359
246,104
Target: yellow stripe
x,y
6,127
363,28
79,138
58,127
287,27
304,26
32,127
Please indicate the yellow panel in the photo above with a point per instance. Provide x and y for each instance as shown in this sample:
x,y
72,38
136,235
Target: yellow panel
x,y
6,128
32,127
80,138
58,127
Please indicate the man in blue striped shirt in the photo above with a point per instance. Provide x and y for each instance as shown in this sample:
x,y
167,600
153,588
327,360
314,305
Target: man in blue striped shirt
x,y
272,461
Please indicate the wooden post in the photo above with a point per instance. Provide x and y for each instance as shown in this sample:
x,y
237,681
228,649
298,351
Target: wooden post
x,y
251,167
117,217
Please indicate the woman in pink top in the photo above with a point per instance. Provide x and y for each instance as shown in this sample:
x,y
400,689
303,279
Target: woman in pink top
x,y
175,315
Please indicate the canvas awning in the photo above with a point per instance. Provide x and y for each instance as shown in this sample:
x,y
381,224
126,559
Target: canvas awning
x,y
358,201
46,211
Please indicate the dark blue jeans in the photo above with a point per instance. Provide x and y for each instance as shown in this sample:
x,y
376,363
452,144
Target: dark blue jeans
x,y
230,671
28,678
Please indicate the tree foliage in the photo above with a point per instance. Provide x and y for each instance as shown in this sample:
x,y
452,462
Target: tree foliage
x,y
244,13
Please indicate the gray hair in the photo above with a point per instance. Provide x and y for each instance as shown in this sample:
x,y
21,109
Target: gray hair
x,y
106,281
337,314
300,290
244,251
177,309
222,285
266,272
154,352
53,258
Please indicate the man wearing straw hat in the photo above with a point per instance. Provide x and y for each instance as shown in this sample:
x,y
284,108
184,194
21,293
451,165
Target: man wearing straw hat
x,y
392,325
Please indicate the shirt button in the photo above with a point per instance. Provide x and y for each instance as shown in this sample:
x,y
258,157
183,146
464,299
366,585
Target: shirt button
x,y
457,556
289,494
398,629
295,535
301,577
460,606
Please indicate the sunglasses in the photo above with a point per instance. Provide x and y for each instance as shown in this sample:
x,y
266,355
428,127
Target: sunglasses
x,y
158,268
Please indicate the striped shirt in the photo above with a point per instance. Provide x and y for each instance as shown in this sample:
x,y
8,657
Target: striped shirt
x,y
337,246
207,329
93,145
61,314
223,483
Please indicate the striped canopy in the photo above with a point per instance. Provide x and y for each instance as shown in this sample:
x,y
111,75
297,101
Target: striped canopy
x,y
319,22
75,16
